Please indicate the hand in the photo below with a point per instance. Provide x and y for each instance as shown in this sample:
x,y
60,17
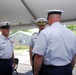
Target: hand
x,y
13,65
36,74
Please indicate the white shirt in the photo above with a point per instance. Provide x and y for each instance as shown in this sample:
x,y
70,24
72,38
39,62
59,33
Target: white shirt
x,y
57,44
6,47
33,39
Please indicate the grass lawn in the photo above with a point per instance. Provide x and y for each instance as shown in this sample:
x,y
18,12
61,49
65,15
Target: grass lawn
x,y
21,50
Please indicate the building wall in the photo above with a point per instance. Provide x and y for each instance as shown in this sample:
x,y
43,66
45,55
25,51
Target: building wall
x,y
21,39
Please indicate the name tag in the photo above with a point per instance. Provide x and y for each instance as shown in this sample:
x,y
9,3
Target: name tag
x,y
3,42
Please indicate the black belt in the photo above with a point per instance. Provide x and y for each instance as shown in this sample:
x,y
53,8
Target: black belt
x,y
6,60
57,66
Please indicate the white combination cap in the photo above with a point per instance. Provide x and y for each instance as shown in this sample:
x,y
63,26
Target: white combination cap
x,y
41,21
5,25
54,11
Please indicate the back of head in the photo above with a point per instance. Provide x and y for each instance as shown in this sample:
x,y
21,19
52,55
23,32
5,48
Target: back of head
x,y
54,11
54,15
5,25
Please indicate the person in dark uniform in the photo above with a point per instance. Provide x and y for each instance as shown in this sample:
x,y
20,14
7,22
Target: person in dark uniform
x,y
41,24
6,50
56,45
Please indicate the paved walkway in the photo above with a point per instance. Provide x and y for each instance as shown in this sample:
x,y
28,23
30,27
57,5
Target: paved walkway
x,y
24,67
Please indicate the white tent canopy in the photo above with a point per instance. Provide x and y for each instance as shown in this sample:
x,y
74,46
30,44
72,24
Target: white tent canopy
x,y
22,13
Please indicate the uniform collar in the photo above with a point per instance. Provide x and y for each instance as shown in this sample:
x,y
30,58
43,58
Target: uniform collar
x,y
5,37
38,33
56,24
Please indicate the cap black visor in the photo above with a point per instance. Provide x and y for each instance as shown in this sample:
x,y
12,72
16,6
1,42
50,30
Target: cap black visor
x,y
5,27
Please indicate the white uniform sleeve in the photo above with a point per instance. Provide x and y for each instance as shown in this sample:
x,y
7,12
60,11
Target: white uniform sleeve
x,y
40,45
31,42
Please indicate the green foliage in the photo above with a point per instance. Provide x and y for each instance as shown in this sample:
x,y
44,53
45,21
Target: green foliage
x,y
27,30
13,31
72,27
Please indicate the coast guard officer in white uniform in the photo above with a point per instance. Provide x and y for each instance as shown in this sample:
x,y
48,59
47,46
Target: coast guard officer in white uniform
x,y
56,45
41,24
6,50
